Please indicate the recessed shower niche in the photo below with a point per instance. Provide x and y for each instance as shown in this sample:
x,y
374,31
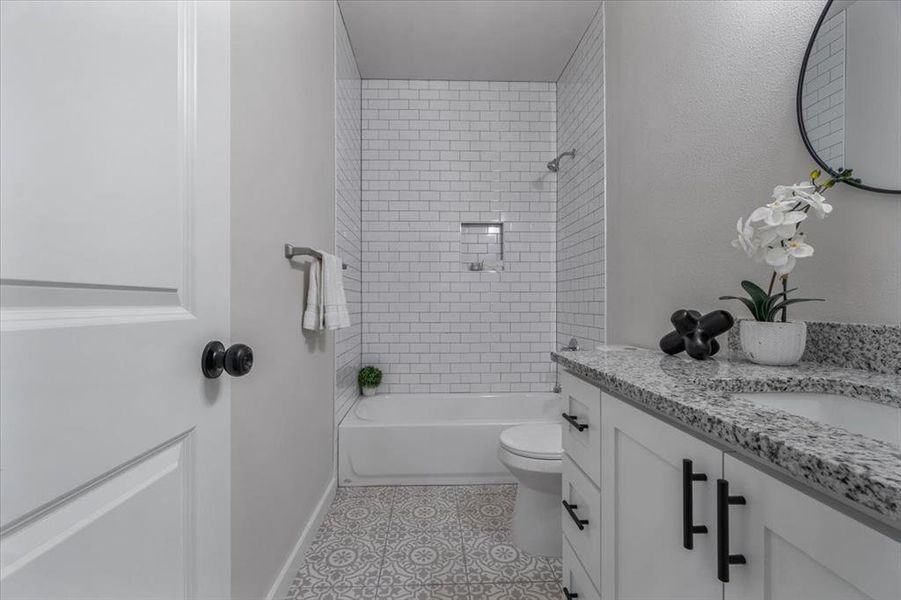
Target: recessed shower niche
x,y
482,246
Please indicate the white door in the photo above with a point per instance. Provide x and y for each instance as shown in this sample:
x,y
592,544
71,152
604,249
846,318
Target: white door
x,y
797,548
642,550
114,267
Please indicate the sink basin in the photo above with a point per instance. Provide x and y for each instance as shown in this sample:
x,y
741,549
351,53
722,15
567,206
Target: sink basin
x,y
879,421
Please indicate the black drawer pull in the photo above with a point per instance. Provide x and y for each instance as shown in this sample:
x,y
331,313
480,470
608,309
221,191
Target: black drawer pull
x,y
574,421
571,509
723,558
689,529
568,594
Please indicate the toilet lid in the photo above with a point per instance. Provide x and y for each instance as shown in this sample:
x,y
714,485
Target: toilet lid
x,y
543,441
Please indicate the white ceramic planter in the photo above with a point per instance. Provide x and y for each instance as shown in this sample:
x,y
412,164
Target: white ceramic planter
x,y
368,391
773,343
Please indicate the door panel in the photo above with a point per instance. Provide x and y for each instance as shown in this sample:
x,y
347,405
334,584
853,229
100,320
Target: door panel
x,y
107,518
114,274
641,507
94,143
800,549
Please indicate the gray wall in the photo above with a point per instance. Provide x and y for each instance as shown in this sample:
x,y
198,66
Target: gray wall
x,y
282,190
700,127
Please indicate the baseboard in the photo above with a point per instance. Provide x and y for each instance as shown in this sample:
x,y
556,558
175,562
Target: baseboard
x,y
283,582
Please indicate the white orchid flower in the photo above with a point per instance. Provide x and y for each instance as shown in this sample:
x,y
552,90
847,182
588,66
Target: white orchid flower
x,y
784,256
818,203
778,212
745,239
786,192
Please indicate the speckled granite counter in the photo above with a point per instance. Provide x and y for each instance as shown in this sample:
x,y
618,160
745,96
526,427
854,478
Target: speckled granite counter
x,y
863,472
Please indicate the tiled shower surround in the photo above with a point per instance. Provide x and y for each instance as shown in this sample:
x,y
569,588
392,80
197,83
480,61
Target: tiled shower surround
x,y
436,155
348,245
580,193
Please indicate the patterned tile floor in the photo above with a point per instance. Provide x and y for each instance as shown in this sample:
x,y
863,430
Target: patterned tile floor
x,y
423,543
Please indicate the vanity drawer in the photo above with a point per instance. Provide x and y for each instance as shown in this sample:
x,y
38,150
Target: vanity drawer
x,y
582,402
575,579
584,500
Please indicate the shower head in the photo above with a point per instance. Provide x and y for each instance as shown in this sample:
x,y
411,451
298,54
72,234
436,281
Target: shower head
x,y
554,165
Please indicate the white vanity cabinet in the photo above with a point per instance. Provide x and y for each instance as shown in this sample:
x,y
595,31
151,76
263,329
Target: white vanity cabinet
x,y
642,509
797,548
660,488
580,507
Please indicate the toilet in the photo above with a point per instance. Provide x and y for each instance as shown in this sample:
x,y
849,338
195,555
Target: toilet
x,y
533,454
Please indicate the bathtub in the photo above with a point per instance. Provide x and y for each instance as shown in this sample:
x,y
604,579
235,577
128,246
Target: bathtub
x,y
417,439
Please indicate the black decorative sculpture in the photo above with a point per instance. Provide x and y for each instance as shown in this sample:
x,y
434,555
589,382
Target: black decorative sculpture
x,y
695,334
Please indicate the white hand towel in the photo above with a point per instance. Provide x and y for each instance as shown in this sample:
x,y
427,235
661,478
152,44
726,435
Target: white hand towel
x,y
312,316
334,303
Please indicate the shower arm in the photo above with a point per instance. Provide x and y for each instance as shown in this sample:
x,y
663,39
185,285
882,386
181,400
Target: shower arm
x,y
554,165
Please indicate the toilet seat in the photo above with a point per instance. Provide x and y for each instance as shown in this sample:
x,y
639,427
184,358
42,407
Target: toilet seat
x,y
540,441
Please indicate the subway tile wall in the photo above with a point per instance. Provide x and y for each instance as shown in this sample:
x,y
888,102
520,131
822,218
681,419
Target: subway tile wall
x,y
823,103
581,276
437,154
348,245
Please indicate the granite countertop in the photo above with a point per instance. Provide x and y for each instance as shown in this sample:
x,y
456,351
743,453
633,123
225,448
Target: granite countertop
x,y
699,394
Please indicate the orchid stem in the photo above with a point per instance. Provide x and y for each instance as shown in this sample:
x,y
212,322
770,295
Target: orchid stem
x,y
785,298
769,291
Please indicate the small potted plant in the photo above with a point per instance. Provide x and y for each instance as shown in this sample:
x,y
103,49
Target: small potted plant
x,y
772,234
369,379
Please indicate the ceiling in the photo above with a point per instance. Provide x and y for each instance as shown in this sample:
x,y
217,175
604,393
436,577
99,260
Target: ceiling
x,y
500,40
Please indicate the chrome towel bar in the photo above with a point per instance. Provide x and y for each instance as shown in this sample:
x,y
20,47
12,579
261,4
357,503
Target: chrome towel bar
x,y
292,251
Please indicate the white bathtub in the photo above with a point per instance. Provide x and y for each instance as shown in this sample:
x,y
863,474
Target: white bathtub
x,y
415,439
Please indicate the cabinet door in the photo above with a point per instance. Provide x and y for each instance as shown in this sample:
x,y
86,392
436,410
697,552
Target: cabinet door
x,y
797,548
582,434
641,509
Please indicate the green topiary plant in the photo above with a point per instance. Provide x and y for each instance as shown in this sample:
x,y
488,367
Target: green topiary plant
x,y
369,377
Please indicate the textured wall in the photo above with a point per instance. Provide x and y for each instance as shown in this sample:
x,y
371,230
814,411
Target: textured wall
x,y
437,154
282,189
348,244
580,192
700,127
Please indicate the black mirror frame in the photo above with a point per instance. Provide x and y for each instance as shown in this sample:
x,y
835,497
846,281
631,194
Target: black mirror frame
x,y
803,131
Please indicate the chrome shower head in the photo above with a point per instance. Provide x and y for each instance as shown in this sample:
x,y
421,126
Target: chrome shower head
x,y
554,165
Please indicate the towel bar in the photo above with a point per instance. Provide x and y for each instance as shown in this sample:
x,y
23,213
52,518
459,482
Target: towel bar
x,y
292,251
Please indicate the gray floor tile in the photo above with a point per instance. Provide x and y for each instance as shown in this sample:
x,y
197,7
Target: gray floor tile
x,y
358,515
341,561
325,593
424,512
422,543
491,557
445,491
486,512
385,493
423,557
542,590
424,592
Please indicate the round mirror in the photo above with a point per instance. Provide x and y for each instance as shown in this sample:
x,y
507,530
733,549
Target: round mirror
x,y
849,92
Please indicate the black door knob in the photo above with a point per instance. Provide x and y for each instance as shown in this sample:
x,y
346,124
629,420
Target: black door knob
x,y
237,360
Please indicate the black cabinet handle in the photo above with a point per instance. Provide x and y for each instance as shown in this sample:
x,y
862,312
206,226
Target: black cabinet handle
x,y
568,594
571,509
574,421
723,558
689,529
